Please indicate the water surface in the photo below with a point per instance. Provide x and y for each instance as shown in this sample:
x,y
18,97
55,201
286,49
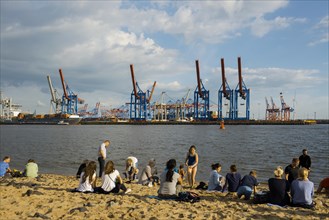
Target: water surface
x,y
60,149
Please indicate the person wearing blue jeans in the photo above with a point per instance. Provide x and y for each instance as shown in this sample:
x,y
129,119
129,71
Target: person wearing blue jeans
x,y
248,185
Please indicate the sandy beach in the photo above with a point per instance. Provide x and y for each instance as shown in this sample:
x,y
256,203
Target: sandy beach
x,y
50,198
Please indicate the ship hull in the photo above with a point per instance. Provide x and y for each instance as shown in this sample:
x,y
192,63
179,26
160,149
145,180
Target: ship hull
x,y
46,121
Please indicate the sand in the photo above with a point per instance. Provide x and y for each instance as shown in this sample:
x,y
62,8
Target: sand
x,y
50,198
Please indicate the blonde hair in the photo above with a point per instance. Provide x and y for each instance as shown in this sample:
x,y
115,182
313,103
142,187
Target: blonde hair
x,y
278,172
303,173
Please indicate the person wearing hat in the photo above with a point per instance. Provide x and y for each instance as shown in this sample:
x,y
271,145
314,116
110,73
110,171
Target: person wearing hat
x,y
305,160
278,189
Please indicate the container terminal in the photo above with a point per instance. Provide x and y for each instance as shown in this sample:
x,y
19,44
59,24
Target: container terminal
x,y
232,107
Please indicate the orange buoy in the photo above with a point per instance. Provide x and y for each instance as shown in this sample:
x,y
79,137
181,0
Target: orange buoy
x,y
222,126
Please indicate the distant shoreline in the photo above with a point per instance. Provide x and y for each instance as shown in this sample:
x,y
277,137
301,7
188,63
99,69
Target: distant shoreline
x,y
228,122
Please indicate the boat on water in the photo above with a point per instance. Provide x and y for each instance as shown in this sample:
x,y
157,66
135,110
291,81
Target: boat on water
x,y
48,119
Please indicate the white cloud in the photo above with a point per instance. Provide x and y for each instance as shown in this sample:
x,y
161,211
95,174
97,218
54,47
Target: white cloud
x,y
261,27
322,30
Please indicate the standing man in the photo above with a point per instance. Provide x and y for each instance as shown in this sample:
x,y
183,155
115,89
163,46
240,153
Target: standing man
x,y
102,156
305,160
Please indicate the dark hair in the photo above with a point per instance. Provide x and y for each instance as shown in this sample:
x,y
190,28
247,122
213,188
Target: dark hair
x,y
233,168
181,166
6,157
304,150
109,167
295,160
215,166
31,161
89,171
191,148
171,164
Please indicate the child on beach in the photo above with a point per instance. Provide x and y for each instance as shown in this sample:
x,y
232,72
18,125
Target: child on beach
x,y
215,180
111,180
181,171
88,178
191,161
31,169
232,179
4,166
131,169
248,185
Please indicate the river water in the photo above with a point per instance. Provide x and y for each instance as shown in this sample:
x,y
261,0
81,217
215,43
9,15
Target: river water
x,y
60,149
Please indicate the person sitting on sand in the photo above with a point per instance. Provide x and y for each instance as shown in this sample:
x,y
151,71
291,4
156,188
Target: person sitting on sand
x,y
111,180
181,171
232,179
324,184
302,190
248,185
131,169
278,189
31,169
88,178
291,171
215,180
191,161
170,181
147,178
4,167
81,169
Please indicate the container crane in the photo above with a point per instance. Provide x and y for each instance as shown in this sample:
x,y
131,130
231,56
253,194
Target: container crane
x,y
148,101
225,92
183,108
139,100
285,109
201,98
70,100
241,93
275,111
54,97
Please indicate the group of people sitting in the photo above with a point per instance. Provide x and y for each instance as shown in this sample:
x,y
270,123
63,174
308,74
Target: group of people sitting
x,y
31,169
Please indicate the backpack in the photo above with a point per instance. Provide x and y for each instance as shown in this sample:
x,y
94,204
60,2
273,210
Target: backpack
x,y
190,197
261,197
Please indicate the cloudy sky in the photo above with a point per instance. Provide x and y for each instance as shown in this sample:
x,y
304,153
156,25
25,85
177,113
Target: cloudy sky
x,y
283,46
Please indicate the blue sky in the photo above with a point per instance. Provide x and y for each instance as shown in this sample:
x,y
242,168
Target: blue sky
x,y
283,46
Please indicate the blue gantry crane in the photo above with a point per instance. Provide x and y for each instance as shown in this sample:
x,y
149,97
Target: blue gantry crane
x,y
70,100
225,92
139,100
242,98
201,98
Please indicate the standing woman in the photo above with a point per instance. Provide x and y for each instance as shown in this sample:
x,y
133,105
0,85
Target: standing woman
x,y
191,162
88,178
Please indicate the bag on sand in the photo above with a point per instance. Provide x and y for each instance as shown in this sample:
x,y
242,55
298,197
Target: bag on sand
x,y
261,197
190,197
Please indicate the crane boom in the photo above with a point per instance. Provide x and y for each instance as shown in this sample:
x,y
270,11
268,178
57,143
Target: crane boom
x,y
150,97
223,77
198,77
52,91
242,93
63,84
133,80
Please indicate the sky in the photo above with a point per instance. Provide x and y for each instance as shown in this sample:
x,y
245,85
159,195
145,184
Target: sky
x,y
283,46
